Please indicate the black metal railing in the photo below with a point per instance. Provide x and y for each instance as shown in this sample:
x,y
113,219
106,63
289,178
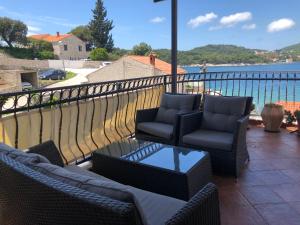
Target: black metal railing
x,y
264,87
78,118
82,118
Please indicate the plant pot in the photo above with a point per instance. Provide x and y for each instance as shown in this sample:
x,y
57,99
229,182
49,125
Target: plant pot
x,y
298,122
272,116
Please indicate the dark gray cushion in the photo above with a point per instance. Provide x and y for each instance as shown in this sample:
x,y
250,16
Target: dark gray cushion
x,y
173,104
49,150
221,113
82,171
162,130
155,209
99,186
22,157
210,139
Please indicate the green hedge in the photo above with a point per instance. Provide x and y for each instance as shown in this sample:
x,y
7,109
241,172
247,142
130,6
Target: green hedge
x,y
27,53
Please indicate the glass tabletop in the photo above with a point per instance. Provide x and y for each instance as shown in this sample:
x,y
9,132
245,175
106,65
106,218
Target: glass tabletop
x,y
155,154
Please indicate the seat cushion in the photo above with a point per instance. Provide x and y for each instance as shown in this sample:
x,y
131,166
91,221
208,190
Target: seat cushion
x,y
22,157
162,130
155,209
92,184
221,113
81,171
209,139
171,105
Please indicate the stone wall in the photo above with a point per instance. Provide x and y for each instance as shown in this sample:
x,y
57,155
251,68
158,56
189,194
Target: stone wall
x,y
10,81
8,63
74,64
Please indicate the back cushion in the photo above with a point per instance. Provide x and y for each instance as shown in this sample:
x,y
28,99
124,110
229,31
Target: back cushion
x,y
171,105
49,150
22,157
221,113
109,189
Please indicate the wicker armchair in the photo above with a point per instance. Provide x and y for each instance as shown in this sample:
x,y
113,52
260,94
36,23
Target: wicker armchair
x,y
221,130
29,197
162,124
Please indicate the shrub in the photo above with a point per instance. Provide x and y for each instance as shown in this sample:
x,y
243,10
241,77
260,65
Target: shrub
x,y
99,54
20,53
45,55
40,45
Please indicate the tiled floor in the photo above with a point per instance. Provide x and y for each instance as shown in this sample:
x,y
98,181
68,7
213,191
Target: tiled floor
x,y
268,191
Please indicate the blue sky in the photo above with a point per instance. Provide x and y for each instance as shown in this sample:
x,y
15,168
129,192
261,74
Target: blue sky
x,y
262,24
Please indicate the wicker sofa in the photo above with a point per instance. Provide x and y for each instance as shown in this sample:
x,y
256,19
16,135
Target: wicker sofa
x,y
35,191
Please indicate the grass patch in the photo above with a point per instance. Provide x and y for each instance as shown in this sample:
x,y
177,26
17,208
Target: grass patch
x,y
44,83
70,75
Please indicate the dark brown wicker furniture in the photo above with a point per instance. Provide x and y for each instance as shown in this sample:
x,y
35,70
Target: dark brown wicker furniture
x,y
173,171
29,197
162,124
221,130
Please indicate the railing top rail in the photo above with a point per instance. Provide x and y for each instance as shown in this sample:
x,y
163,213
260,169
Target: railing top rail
x,y
116,82
237,72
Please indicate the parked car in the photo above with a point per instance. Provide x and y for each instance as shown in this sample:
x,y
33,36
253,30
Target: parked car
x,y
26,86
52,75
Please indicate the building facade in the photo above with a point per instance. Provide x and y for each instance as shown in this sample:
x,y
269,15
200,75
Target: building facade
x,y
132,67
66,46
11,80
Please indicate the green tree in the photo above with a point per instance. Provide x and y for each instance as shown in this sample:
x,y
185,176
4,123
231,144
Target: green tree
x,y
12,31
141,49
83,32
40,45
99,54
101,27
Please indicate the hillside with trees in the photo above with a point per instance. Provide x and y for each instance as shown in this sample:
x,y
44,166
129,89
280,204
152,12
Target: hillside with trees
x,y
292,49
215,54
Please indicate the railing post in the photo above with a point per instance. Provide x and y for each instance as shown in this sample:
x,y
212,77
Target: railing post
x,y
174,46
165,83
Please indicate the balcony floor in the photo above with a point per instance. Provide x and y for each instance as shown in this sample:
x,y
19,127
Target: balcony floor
x,y
268,191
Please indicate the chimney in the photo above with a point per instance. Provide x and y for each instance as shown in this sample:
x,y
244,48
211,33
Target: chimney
x,y
152,57
57,34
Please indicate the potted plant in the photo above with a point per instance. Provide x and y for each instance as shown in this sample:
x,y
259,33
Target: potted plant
x,y
189,88
297,115
272,116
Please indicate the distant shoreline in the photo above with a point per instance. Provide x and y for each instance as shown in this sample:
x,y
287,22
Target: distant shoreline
x,y
236,64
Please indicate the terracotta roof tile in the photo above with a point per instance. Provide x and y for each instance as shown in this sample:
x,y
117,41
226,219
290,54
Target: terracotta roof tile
x,y
159,64
290,106
50,38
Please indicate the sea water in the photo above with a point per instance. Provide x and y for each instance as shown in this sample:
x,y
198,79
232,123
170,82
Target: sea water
x,y
262,91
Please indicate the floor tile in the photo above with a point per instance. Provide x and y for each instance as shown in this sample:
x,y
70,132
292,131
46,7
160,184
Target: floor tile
x,y
274,177
279,214
260,195
293,173
288,192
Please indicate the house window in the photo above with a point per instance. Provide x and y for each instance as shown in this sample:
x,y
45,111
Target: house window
x,y
80,48
66,47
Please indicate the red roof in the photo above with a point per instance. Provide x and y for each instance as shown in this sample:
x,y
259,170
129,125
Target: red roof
x,y
50,38
290,106
159,64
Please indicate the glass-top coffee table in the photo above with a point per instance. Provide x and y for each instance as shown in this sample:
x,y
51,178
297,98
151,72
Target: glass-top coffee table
x,y
174,171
